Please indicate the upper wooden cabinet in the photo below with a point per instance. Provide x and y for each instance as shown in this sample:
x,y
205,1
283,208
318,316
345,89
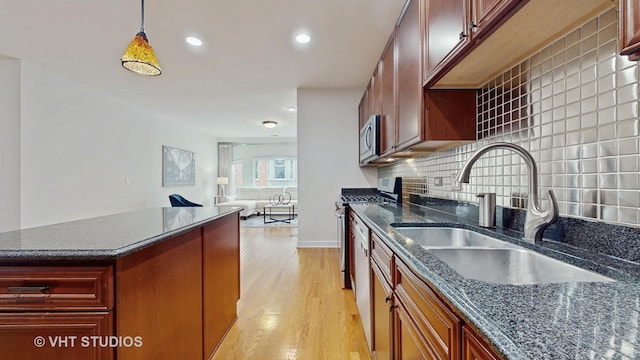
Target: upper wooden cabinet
x,y
630,28
506,31
388,115
375,97
446,33
409,96
487,13
363,109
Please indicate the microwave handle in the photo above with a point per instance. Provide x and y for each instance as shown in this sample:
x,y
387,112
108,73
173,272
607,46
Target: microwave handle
x,y
367,137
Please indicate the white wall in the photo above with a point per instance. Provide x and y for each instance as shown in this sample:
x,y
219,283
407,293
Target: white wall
x,y
85,153
9,144
327,160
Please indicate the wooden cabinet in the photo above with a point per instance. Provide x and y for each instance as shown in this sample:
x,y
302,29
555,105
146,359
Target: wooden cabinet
x,y
162,279
446,33
382,324
474,348
438,326
375,97
388,114
221,279
78,335
409,342
486,14
410,321
630,28
408,76
363,109
49,311
381,299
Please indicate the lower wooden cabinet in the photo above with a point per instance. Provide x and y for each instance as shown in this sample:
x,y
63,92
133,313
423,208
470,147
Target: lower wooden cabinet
x,y
58,335
382,311
474,348
410,321
409,342
437,325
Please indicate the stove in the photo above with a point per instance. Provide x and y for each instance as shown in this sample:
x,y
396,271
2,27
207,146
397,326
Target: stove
x,y
389,191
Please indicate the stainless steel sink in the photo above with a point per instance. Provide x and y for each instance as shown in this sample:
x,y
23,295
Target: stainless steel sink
x,y
481,257
429,237
513,266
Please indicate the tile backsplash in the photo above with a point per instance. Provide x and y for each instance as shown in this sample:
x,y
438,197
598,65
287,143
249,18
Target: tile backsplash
x,y
574,106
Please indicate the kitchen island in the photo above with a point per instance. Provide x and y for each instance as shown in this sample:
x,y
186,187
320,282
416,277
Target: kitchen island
x,y
570,320
158,283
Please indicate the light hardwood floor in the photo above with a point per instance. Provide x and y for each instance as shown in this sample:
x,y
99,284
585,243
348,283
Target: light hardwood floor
x,y
291,304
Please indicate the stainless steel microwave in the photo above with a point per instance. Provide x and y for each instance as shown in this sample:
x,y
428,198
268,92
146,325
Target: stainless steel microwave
x,y
370,139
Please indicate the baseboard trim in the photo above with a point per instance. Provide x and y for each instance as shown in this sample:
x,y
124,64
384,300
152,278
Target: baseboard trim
x,y
317,244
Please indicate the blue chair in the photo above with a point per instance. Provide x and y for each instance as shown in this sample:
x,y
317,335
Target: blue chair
x,y
178,201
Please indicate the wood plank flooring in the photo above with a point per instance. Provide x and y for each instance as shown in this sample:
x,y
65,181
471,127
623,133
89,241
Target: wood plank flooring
x,y
291,304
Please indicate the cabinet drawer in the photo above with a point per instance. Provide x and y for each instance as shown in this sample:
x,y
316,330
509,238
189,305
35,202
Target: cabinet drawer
x,y
56,288
440,327
383,256
57,335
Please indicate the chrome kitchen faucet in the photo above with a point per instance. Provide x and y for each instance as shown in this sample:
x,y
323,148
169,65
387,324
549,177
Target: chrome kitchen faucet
x,y
536,220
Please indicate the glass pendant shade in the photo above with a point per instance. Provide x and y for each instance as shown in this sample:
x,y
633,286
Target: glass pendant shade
x,y
140,58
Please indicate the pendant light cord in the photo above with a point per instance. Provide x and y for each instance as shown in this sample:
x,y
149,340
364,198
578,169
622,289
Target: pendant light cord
x,y
142,20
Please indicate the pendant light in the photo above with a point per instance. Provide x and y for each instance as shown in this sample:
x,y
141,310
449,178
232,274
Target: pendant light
x,y
139,56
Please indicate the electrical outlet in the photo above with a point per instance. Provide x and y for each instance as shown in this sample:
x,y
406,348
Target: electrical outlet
x,y
438,181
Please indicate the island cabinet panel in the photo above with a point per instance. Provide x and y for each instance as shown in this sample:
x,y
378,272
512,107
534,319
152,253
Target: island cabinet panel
x,y
221,276
630,28
56,335
409,84
435,323
410,343
159,298
474,348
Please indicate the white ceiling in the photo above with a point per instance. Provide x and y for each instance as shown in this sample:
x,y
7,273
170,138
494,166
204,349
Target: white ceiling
x,y
246,72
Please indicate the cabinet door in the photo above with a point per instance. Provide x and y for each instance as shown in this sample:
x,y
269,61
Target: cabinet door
x,y
446,33
409,80
409,344
438,326
388,114
473,348
381,302
488,13
630,28
363,108
376,91
69,336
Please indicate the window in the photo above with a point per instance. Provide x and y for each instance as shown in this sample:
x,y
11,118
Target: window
x,y
275,172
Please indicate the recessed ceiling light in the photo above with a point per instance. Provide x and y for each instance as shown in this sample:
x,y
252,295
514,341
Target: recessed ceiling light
x,y
303,38
193,41
269,124
291,108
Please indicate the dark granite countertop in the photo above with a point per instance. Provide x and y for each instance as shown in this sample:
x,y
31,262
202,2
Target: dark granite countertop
x,y
105,237
578,320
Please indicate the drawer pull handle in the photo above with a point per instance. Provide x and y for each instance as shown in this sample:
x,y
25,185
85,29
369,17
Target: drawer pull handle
x,y
27,289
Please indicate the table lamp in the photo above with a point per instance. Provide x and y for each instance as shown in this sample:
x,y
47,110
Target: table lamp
x,y
222,181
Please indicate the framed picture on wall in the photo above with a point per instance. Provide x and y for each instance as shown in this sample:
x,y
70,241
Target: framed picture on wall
x,y
178,167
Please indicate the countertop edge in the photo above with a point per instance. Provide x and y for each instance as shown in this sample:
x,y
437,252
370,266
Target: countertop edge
x,y
21,255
